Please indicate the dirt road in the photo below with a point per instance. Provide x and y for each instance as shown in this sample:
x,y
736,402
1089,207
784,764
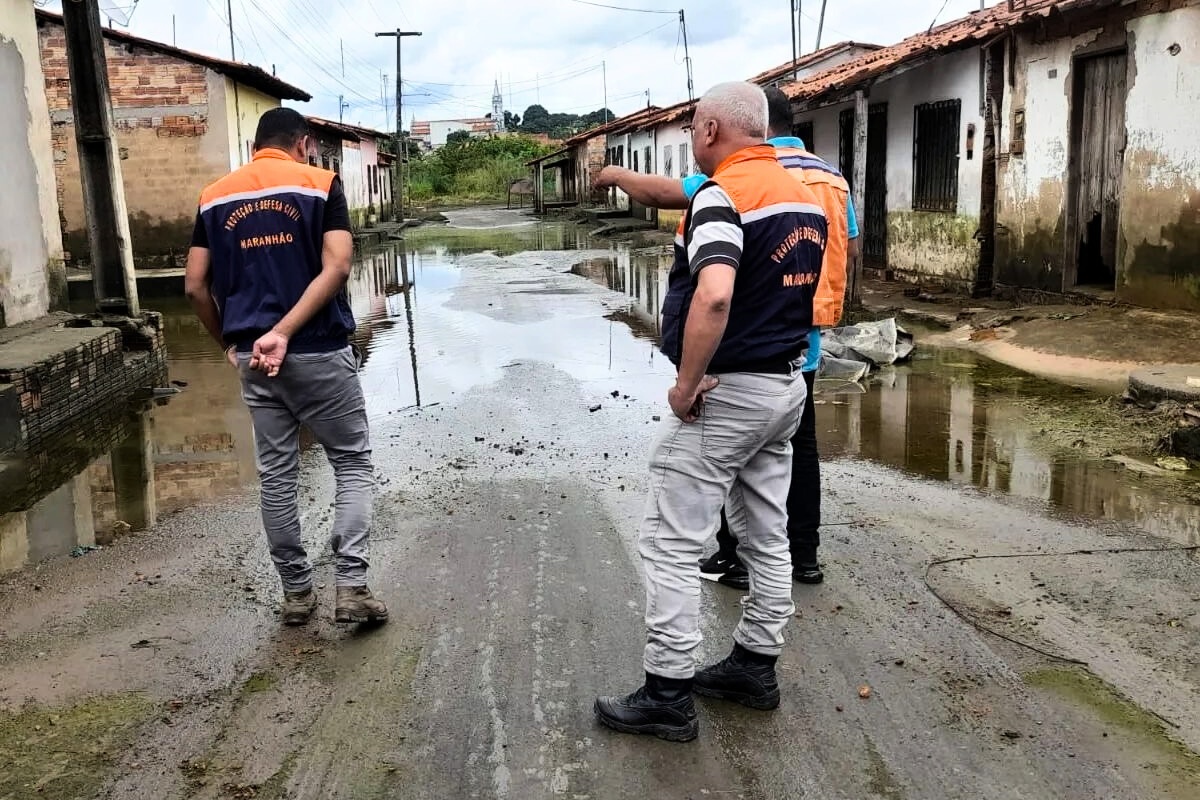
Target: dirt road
x,y
505,522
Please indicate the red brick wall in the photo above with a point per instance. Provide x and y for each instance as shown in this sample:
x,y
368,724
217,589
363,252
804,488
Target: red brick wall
x,y
166,158
137,78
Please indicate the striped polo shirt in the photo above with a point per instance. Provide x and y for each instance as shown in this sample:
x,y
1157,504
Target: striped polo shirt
x,y
756,217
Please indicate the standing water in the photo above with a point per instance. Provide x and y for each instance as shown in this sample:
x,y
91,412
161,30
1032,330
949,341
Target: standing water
x,y
947,416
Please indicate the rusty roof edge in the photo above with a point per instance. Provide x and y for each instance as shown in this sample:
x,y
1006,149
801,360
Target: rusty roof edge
x,y
923,47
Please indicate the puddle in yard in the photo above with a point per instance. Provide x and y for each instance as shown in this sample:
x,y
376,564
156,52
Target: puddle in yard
x,y
438,315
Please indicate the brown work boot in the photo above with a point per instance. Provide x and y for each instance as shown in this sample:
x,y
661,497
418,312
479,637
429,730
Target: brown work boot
x,y
357,604
298,607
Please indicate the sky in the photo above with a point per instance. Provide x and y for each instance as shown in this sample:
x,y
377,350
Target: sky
x,y
567,55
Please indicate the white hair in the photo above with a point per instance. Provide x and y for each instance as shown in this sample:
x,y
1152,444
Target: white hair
x,y
738,105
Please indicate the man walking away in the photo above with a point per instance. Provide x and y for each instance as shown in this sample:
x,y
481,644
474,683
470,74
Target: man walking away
x,y
831,189
735,323
266,274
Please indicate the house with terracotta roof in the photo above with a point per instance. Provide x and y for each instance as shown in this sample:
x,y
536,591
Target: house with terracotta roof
x,y
354,153
182,119
1037,146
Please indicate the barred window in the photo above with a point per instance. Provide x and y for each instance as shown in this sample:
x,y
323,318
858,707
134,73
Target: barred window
x,y
668,151
685,161
935,155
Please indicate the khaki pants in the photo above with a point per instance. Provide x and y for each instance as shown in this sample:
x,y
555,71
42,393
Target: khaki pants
x,y
738,454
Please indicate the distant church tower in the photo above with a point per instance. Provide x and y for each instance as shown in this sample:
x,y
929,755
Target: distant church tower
x,y
498,109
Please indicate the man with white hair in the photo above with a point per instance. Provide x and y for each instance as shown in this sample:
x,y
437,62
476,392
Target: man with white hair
x,y
736,320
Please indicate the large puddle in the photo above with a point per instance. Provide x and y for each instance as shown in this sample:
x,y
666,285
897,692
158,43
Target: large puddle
x,y
947,416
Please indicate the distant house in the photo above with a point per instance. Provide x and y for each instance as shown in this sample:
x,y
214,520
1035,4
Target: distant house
x,y
1035,146
659,141
353,153
432,134
183,120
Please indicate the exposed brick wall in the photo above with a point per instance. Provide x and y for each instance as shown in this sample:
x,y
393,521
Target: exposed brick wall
x,y
137,78
166,158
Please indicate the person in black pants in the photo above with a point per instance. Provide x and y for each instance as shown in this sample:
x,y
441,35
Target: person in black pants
x,y
803,506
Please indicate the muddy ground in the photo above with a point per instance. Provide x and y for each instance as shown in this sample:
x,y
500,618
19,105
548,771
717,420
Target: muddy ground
x,y
504,543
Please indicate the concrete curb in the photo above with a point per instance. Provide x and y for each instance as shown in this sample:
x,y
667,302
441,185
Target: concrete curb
x,y
1167,382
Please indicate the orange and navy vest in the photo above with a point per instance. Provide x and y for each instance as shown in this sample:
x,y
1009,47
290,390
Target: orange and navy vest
x,y
265,235
784,234
832,193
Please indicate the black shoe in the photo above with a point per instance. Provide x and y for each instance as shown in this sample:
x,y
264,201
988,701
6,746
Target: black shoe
x,y
808,573
727,570
662,707
805,567
743,677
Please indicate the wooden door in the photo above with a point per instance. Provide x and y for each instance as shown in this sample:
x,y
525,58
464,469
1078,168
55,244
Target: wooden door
x,y
1097,158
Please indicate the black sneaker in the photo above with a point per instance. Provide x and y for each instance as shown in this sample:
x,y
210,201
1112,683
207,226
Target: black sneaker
x,y
725,570
805,567
808,573
743,677
663,707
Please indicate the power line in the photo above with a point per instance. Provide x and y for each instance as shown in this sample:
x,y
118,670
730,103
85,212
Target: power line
x,y
626,8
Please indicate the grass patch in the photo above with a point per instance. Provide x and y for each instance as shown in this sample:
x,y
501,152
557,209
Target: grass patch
x,y
67,752
1172,763
259,682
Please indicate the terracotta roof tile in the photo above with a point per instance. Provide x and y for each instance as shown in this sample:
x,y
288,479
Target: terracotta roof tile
x,y
977,27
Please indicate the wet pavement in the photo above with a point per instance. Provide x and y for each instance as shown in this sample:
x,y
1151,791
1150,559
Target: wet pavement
x,y
504,536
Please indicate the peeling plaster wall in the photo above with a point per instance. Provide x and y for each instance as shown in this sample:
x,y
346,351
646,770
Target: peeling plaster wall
x,y
922,245
32,279
1159,246
1158,249
1032,186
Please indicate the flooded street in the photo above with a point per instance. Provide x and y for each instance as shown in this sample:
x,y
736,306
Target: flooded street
x,y
1024,614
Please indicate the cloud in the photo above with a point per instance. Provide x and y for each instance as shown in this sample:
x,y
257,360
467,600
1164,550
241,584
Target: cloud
x,y
547,51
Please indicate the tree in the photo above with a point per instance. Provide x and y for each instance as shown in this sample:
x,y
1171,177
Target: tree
x,y
512,121
598,117
458,137
537,120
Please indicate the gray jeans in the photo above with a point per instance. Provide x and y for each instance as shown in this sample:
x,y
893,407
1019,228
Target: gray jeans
x,y
739,449
322,392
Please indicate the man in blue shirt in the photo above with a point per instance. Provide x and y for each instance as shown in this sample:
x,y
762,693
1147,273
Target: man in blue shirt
x,y
804,498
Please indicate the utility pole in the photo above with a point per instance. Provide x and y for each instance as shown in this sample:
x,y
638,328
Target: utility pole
x,y
687,58
342,106
795,55
799,27
383,94
821,24
401,150
237,101
113,279
604,73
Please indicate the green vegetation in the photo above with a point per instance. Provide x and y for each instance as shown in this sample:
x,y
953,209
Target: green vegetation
x,y
67,752
558,126
472,170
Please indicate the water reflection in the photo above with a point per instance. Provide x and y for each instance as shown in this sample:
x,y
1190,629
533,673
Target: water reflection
x,y
639,274
952,417
425,335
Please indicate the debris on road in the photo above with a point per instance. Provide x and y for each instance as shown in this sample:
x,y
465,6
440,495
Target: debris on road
x,y
594,409
84,549
1173,463
864,692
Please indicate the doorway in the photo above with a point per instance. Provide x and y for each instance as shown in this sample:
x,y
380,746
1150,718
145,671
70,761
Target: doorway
x,y
873,219
1097,158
